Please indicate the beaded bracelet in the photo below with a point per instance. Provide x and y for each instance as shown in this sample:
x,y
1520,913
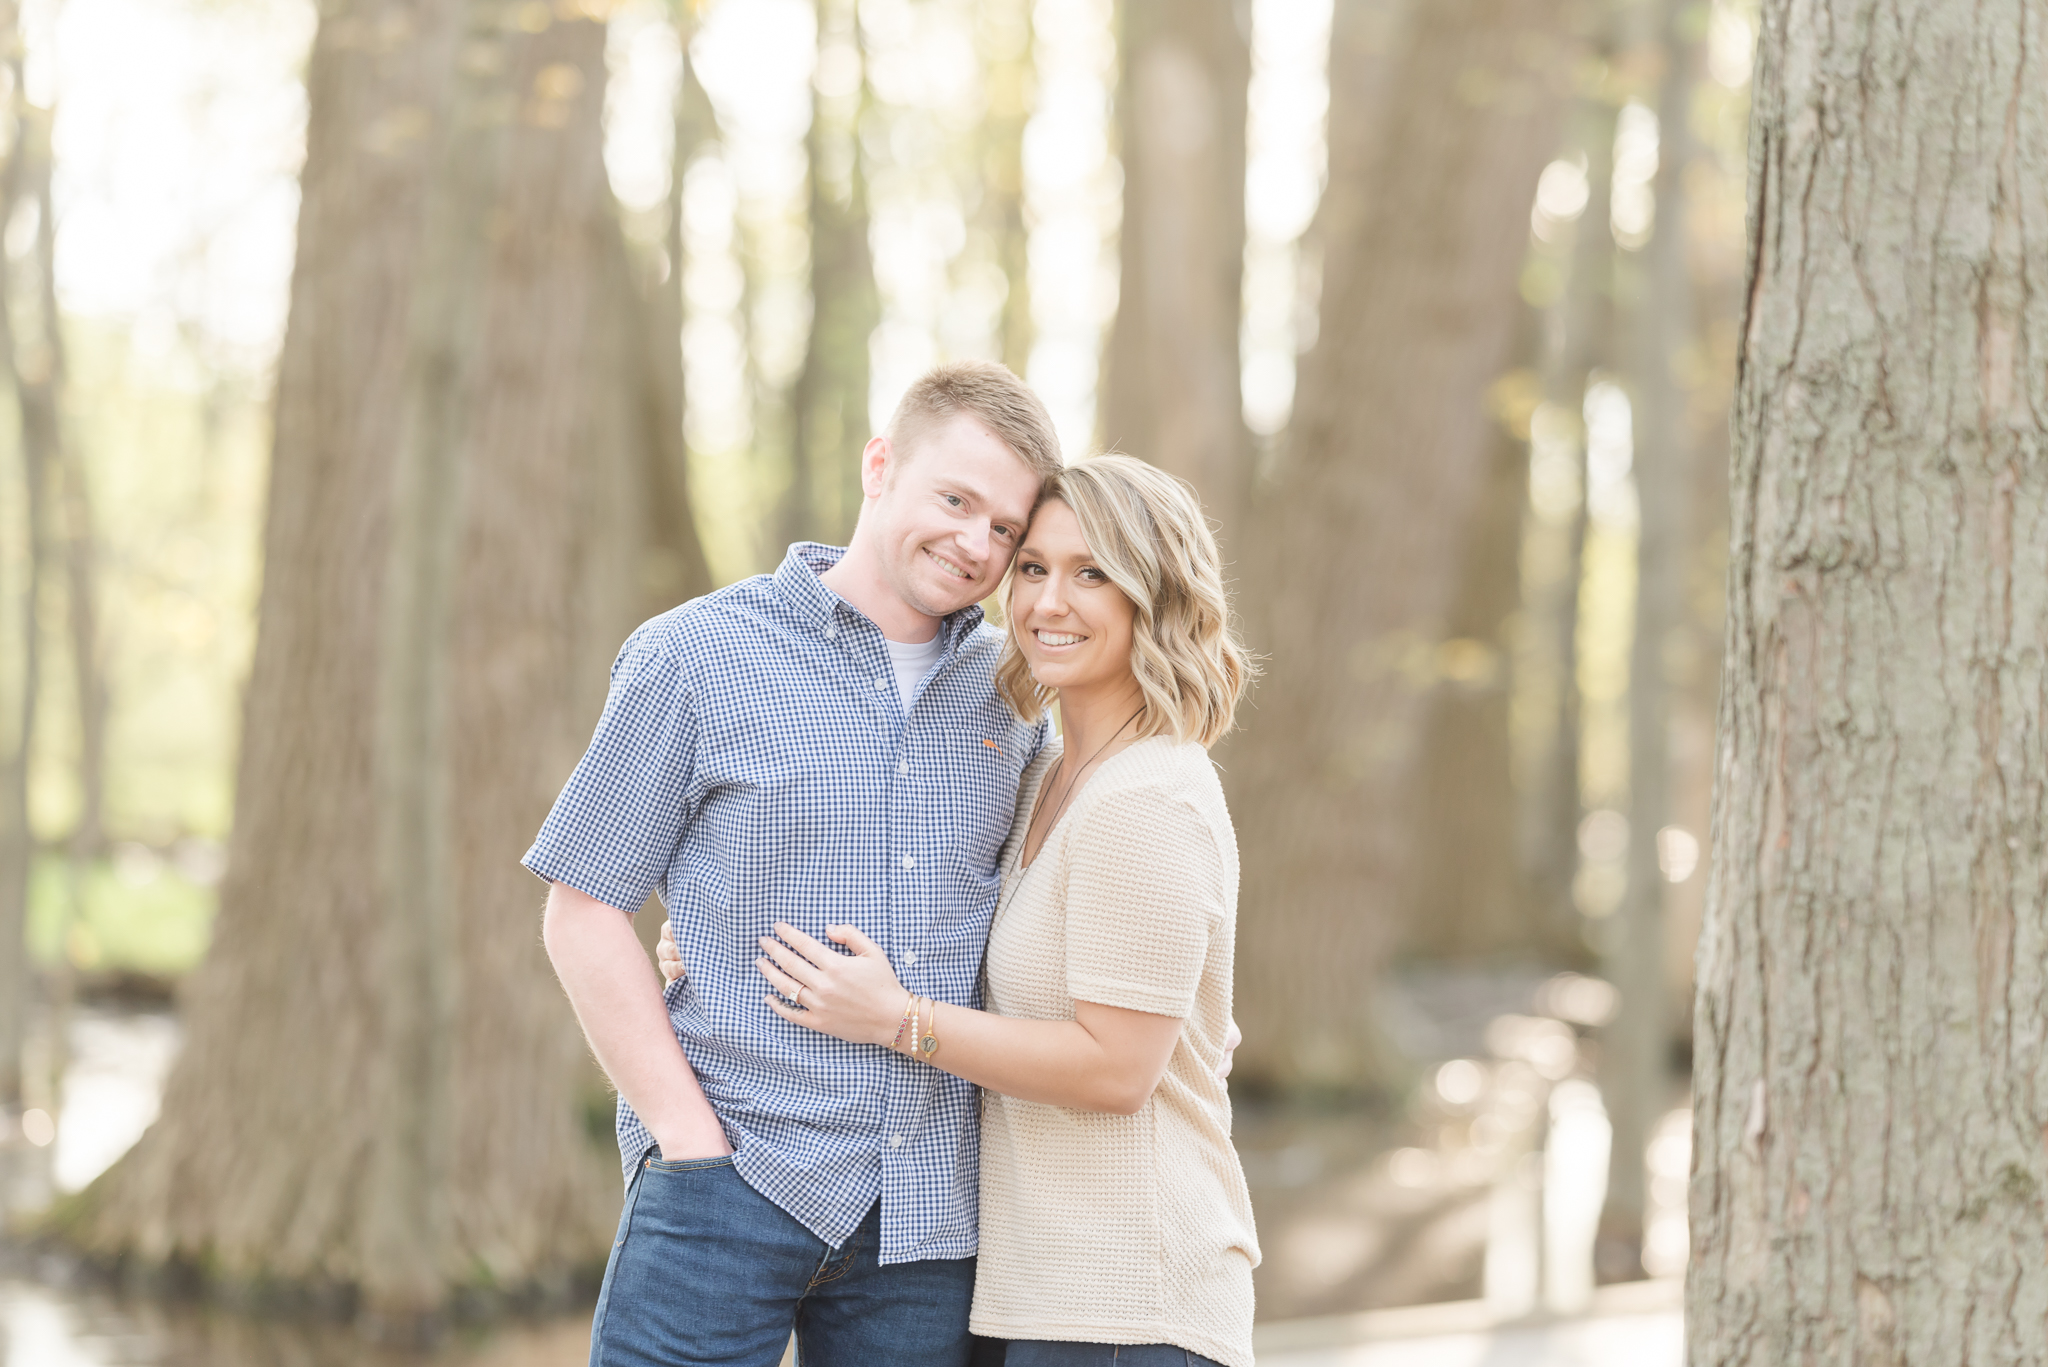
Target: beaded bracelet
x,y
897,1043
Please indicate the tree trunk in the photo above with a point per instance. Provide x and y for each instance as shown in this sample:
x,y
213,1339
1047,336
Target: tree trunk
x,y
1003,31
673,567
829,402
61,538
1170,390
1352,572
1578,333
1635,1064
1873,973
1467,900
383,1091
17,839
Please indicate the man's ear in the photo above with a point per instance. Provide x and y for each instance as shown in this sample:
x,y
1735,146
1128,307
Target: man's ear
x,y
876,458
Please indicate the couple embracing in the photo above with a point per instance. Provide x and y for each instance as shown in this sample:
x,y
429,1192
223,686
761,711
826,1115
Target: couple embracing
x,y
937,1076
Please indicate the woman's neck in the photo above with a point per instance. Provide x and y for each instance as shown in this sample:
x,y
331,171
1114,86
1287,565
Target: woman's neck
x,y
1091,718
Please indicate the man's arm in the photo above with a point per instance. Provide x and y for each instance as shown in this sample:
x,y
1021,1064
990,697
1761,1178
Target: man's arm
x,y
604,971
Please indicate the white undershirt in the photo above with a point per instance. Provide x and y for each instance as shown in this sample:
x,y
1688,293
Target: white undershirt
x,y
912,662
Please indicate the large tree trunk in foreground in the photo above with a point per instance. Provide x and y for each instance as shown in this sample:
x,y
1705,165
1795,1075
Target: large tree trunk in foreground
x,y
383,1090
1871,1085
1356,554
1170,389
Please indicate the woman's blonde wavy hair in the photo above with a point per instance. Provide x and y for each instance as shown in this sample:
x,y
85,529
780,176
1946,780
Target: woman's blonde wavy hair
x,y
1146,531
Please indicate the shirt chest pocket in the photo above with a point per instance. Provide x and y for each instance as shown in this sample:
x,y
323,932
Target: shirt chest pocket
x,y
982,801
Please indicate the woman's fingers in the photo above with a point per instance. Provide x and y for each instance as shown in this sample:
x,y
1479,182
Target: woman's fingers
x,y
851,936
790,1013
810,946
790,961
777,979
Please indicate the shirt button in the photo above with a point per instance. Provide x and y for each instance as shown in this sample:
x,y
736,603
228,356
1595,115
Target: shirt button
x,y
830,632
902,766
910,959
909,861
895,1141
881,684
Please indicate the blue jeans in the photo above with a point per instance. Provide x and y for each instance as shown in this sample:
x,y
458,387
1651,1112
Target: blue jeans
x,y
1046,1353
708,1271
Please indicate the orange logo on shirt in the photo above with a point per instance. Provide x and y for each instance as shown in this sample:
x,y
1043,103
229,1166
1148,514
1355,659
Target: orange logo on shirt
x,y
990,744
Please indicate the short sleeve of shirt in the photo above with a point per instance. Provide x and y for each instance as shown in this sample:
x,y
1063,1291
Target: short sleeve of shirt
x,y
616,825
1145,890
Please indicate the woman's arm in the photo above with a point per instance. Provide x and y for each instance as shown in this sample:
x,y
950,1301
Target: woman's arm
x,y
671,961
1106,1059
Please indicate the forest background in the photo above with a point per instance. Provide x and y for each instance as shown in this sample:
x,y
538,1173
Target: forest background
x,y
593,306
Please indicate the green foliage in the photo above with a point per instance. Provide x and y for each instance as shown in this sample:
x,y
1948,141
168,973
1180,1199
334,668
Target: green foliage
x,y
119,919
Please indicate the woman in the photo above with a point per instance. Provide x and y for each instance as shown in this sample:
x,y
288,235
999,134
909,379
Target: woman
x,y
1115,1224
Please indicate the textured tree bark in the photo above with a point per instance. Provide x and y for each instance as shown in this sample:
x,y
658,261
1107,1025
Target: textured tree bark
x,y
1870,1069
1350,574
383,1092
829,401
1170,389
1635,1065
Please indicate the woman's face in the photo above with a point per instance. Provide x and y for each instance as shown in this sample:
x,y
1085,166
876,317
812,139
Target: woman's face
x,y
1072,623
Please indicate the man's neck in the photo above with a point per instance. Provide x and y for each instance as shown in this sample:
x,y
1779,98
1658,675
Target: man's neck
x,y
858,578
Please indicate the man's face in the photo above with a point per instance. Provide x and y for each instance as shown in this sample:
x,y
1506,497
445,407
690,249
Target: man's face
x,y
948,513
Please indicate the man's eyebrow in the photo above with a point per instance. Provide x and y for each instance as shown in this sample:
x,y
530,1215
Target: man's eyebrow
x,y
968,489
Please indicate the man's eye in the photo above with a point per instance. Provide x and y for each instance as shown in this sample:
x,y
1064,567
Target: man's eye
x,y
953,500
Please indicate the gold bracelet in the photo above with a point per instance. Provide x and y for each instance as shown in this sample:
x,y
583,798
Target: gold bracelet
x,y
928,1045
897,1043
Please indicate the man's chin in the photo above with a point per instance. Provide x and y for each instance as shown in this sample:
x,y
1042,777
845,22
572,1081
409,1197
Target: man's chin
x,y
941,595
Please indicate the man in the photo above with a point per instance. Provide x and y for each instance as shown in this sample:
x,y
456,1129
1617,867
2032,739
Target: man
x,y
818,746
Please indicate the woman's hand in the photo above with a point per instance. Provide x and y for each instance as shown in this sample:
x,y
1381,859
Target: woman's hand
x,y
666,955
1231,1039
849,996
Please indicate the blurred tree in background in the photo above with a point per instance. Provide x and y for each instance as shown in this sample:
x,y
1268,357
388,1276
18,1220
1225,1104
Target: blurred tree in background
x,y
382,1087
1441,119
1170,373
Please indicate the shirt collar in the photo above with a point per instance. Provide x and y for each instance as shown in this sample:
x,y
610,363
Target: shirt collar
x,y
796,579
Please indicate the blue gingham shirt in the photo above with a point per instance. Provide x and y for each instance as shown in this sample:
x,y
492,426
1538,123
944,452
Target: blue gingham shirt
x,y
754,764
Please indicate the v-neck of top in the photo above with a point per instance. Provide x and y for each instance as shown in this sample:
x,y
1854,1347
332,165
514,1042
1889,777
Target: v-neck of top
x,y
1018,866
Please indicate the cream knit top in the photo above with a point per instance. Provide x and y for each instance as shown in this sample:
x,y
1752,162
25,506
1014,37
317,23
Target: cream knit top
x,y
1109,1228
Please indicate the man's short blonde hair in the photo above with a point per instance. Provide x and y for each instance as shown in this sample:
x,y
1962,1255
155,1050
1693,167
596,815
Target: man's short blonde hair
x,y
990,393
1146,531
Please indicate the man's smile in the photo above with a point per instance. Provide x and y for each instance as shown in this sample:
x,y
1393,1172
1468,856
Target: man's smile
x,y
948,566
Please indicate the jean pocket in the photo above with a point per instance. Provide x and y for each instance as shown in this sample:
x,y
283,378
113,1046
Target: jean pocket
x,y
653,1164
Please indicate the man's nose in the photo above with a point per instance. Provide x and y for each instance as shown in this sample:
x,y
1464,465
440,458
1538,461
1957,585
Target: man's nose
x,y
974,538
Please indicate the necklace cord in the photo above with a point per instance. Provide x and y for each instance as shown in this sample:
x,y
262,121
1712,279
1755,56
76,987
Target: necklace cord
x,y
1060,808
